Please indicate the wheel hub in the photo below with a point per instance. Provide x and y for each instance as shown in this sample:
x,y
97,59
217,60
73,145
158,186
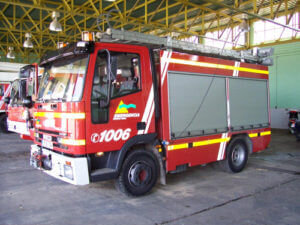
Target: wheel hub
x,y
238,155
139,173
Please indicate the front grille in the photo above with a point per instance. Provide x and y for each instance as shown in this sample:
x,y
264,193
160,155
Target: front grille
x,y
53,139
47,131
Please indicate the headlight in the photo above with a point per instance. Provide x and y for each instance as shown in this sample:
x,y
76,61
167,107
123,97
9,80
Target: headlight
x,y
68,172
25,115
59,140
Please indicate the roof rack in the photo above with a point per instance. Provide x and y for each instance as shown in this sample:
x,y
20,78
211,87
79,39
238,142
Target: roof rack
x,y
259,56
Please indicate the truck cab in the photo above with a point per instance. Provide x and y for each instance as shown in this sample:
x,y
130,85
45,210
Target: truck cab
x,y
20,107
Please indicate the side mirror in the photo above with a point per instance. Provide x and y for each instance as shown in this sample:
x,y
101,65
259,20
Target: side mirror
x,y
1,92
27,102
6,100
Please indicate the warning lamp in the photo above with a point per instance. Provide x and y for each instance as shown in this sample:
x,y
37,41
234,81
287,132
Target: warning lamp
x,y
87,36
61,44
99,154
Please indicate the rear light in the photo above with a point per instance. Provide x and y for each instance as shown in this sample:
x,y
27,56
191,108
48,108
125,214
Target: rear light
x,y
87,36
68,163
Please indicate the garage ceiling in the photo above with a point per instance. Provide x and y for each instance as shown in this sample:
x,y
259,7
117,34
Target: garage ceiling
x,y
179,18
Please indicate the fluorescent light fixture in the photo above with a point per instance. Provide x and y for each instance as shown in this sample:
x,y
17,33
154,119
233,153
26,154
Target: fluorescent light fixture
x,y
55,25
28,42
11,54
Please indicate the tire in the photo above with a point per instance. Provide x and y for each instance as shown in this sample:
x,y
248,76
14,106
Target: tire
x,y
3,123
236,156
139,173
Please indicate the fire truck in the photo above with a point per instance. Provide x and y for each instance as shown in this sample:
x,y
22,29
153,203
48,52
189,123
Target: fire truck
x,y
20,107
7,75
4,91
134,107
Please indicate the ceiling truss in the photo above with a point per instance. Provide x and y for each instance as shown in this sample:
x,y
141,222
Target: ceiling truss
x,y
178,18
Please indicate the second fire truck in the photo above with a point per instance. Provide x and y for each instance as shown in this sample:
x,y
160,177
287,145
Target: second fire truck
x,y
136,110
20,107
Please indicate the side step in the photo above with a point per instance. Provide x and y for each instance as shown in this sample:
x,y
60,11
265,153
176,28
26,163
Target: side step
x,y
103,174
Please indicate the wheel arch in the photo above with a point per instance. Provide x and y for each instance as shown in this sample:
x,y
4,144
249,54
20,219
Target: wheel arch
x,y
245,137
140,140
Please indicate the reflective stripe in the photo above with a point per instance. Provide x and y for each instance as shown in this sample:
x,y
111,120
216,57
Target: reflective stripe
x,y
210,142
265,133
260,134
218,66
253,135
222,140
73,142
179,146
60,115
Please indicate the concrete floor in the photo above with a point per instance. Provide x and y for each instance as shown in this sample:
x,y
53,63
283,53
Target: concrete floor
x,y
266,192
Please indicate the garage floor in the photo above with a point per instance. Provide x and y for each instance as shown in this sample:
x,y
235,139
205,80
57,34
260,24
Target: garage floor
x,y
266,192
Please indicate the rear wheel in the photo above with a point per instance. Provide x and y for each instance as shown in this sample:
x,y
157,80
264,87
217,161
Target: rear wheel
x,y
3,123
236,156
139,173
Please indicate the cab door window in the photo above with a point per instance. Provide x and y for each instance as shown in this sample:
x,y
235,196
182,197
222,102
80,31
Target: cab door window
x,y
100,90
1,90
127,74
125,79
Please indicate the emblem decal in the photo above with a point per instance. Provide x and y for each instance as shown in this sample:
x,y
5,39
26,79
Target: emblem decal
x,y
122,112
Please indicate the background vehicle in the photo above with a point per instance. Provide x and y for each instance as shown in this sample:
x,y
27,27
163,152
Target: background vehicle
x,y
8,73
20,108
293,118
4,92
134,112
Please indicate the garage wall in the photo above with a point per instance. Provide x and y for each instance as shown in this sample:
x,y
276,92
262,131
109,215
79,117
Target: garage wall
x,y
284,83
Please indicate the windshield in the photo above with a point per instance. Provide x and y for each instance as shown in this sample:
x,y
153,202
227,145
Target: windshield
x,y
15,92
63,80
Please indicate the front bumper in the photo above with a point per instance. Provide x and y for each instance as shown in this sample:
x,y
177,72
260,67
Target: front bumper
x,y
18,127
68,169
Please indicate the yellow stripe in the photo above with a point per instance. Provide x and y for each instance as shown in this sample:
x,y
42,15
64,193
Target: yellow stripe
x,y
180,146
265,133
60,115
210,142
73,142
253,135
218,66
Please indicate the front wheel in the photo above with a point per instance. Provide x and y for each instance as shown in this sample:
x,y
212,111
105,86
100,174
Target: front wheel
x,y
236,156
3,123
139,173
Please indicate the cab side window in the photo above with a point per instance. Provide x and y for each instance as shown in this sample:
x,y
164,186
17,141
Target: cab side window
x,y
125,79
127,74
99,90
1,90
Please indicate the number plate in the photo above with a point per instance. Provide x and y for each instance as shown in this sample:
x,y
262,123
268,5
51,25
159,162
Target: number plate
x,y
47,144
47,137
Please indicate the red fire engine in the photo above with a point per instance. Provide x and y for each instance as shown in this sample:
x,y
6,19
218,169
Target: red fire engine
x,y
20,113
4,92
6,77
134,107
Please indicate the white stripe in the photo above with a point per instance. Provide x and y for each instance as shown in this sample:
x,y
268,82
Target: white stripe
x,y
236,72
165,69
150,118
221,147
228,103
147,109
